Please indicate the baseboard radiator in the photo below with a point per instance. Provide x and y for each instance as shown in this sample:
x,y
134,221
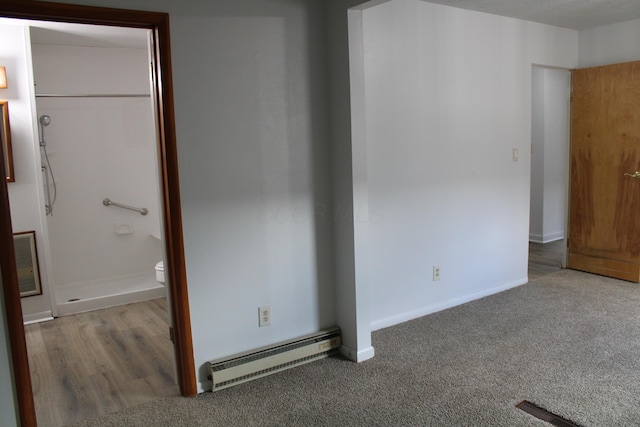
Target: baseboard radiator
x,y
264,361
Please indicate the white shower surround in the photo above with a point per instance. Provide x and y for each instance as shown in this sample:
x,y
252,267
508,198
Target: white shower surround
x,y
107,293
100,147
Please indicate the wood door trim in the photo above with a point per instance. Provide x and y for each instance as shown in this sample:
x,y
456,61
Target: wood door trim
x,y
13,311
168,162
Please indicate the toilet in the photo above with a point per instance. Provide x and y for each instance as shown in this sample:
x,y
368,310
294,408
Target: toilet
x,y
160,272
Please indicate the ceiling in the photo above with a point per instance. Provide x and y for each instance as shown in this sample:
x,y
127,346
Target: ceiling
x,y
66,34
56,33
574,14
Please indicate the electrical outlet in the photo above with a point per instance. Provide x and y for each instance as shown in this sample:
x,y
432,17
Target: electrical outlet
x,y
436,272
264,316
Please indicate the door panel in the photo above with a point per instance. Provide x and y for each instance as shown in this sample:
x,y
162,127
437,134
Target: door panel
x,y
604,214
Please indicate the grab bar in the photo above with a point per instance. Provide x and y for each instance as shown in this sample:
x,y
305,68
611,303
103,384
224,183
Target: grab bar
x,y
108,202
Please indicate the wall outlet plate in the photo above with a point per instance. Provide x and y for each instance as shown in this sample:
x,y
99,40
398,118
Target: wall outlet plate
x,y
436,272
264,315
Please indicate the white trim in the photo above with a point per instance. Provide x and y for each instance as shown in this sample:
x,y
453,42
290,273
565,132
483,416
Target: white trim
x,y
43,316
368,5
204,386
411,315
536,238
357,356
546,238
361,340
552,237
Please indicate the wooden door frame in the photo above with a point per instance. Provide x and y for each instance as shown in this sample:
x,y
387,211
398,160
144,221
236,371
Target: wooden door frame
x,y
158,23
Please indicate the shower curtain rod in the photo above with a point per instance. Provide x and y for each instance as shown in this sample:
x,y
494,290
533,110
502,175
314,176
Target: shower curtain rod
x,y
92,95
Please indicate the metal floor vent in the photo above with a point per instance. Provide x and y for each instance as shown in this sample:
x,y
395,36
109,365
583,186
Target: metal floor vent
x,y
545,415
267,360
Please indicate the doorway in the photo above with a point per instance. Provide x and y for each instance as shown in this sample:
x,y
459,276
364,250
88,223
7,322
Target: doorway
x,y
97,138
175,268
550,112
97,141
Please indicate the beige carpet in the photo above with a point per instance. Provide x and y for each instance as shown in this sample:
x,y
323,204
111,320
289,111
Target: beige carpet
x,y
569,342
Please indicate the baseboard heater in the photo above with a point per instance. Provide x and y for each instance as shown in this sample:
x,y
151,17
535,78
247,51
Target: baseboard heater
x,y
264,361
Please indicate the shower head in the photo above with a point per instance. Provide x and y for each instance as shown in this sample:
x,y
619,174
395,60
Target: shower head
x,y
44,120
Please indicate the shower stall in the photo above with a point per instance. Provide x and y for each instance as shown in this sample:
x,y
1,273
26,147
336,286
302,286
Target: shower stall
x,y
98,144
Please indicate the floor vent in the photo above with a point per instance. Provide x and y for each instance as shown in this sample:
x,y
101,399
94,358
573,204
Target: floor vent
x,y
545,415
267,360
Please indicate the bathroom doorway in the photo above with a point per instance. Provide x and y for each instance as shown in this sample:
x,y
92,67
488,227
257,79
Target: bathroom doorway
x,y
162,88
97,143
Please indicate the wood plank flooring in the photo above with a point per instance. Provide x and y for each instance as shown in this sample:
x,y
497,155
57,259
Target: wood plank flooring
x,y
545,258
89,364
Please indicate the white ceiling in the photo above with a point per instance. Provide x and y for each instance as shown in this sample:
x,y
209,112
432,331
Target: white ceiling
x,y
88,35
575,14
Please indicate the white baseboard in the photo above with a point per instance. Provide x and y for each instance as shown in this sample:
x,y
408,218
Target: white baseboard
x,y
546,238
552,237
405,317
535,237
204,386
43,316
357,356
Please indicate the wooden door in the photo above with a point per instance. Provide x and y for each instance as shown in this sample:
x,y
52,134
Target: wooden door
x,y
604,206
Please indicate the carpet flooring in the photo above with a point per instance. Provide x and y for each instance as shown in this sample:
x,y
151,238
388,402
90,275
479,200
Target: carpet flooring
x,y
568,342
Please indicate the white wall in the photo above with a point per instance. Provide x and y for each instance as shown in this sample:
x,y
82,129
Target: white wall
x,y
251,87
352,304
252,141
610,44
25,194
536,209
550,148
99,147
556,152
448,96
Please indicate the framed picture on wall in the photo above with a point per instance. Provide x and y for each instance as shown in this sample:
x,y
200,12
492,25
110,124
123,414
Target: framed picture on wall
x,y
27,263
5,136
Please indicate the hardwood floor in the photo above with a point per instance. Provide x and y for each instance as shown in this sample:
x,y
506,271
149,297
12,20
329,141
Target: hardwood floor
x,y
94,363
544,258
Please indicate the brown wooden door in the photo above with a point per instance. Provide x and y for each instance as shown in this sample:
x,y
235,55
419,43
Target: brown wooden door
x,y
604,206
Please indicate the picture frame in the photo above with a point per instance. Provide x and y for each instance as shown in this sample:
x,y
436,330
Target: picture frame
x,y
5,135
27,263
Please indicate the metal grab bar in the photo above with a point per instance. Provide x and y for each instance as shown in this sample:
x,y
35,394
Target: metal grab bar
x,y
108,202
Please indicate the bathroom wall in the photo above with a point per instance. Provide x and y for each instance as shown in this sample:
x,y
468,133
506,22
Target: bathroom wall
x,y
25,194
99,147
